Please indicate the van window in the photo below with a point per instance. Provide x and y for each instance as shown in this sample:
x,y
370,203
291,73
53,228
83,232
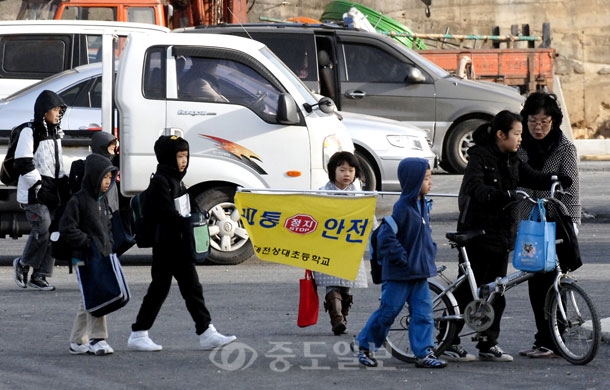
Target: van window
x,y
18,54
295,50
89,13
141,15
366,63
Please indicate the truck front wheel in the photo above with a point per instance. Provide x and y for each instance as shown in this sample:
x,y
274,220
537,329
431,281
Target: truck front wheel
x,y
456,150
229,241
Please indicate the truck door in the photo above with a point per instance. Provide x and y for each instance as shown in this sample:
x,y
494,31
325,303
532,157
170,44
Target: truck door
x,y
225,104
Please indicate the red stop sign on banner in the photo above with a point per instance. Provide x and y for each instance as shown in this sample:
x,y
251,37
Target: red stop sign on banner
x,y
301,224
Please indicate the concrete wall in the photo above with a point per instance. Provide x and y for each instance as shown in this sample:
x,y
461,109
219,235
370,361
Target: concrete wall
x,y
579,31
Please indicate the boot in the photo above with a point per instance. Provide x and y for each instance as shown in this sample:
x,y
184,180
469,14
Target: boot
x,y
346,304
332,305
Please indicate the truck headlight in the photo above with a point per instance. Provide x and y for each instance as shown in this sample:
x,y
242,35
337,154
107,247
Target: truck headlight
x,y
332,145
405,141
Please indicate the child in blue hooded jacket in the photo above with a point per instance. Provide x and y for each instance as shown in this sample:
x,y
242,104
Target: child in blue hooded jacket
x,y
407,259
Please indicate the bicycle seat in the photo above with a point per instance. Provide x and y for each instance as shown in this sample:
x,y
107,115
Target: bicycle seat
x,y
462,238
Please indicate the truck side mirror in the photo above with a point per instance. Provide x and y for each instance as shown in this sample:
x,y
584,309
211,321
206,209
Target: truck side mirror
x,y
414,75
325,104
287,113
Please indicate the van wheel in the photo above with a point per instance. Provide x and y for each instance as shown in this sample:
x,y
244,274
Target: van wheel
x,y
460,140
229,241
369,180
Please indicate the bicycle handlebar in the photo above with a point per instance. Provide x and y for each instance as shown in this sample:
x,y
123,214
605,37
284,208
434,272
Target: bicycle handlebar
x,y
555,188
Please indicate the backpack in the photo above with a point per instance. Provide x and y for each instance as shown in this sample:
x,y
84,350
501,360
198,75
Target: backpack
x,y
375,261
9,174
143,226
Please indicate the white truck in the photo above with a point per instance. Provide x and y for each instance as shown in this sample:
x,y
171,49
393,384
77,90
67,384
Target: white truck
x,y
268,131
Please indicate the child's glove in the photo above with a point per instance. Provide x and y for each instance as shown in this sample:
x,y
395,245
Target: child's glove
x,y
76,262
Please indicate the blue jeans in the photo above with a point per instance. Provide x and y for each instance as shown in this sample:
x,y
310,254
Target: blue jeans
x,y
394,294
37,251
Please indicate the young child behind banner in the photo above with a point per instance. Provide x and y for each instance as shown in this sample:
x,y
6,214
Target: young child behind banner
x,y
343,170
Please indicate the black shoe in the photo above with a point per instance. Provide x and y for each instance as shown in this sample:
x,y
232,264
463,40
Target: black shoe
x,y
21,273
40,283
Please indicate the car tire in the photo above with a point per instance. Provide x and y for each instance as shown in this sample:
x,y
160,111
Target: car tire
x,y
229,241
455,157
369,179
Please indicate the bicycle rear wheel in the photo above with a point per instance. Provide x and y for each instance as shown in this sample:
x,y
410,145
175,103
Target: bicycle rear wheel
x,y
397,342
578,335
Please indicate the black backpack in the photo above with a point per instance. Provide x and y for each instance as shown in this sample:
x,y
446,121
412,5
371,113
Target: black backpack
x,y
9,174
143,224
375,263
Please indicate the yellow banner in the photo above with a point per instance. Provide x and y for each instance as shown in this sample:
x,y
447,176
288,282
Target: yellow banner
x,y
318,232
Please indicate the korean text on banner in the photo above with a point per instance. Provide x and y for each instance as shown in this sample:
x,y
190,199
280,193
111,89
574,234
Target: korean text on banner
x,y
317,232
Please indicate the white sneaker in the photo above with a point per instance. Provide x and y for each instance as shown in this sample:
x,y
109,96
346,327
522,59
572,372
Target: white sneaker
x,y
211,339
139,341
100,348
79,349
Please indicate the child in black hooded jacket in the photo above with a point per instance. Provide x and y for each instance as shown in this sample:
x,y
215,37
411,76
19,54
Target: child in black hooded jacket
x,y
86,222
171,253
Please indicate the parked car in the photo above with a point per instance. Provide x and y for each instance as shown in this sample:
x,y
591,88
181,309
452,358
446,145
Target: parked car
x,y
379,143
81,89
370,73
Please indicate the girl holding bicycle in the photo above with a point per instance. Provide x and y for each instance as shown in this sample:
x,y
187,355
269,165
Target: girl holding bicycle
x,y
493,173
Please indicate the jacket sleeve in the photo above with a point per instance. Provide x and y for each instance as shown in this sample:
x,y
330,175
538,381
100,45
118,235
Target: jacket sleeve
x,y
24,158
473,183
69,226
531,178
391,251
171,223
571,197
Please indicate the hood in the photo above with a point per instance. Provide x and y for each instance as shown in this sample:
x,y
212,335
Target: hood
x,y
96,167
166,148
481,91
45,102
411,173
99,143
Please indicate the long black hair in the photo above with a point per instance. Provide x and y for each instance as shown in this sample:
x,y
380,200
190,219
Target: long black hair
x,y
503,121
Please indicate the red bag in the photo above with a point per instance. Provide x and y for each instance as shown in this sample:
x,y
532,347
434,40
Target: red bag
x,y
309,303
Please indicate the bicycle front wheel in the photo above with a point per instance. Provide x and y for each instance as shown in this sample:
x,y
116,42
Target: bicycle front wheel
x,y
397,342
577,334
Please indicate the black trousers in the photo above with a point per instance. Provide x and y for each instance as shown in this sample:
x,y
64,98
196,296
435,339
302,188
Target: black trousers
x,y
486,265
538,287
168,264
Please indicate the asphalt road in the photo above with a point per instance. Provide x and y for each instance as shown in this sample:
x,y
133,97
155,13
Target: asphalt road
x,y
257,301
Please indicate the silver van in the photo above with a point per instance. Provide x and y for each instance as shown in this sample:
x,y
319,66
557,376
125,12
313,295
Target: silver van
x,y
369,73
